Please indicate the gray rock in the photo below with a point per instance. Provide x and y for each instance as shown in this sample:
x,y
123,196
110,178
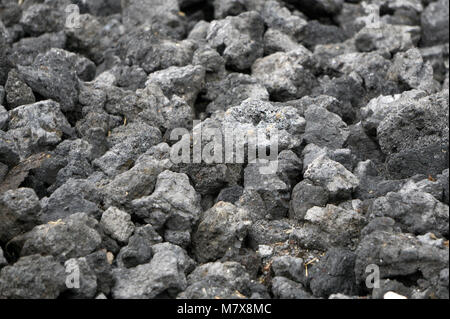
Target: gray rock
x,y
32,277
129,77
230,194
174,198
41,18
203,290
405,12
289,167
4,62
328,227
414,211
292,268
9,154
222,228
264,232
362,146
348,89
92,37
117,224
74,196
186,263
333,176
260,115
283,288
100,265
327,102
228,279
74,156
443,180
371,183
429,185
380,107
350,18
17,92
127,143
209,58
437,56
153,53
334,273
84,67
253,203
286,76
385,224
415,137
139,248
434,22
231,91
168,114
431,239
139,182
370,69
305,195
388,285
324,128
394,38
199,31
277,17
147,106
20,209
70,159
101,7
273,190
164,274
239,39
277,41
71,237
185,82
4,171
410,69
319,7
180,238
398,255
37,126
248,258
2,94
161,16
344,156
53,75
210,179
222,9
316,33
24,51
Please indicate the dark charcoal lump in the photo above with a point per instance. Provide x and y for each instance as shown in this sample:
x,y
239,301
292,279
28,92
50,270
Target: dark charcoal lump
x,y
99,105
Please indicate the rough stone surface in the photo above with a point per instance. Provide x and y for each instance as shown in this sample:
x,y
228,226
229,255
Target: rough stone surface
x,y
224,149
117,224
72,237
33,277
20,209
286,76
222,228
333,176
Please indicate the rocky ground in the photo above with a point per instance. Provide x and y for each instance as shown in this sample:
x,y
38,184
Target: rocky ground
x,y
93,206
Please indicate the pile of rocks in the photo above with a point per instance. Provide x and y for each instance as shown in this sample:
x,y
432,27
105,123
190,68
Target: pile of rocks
x,y
93,204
